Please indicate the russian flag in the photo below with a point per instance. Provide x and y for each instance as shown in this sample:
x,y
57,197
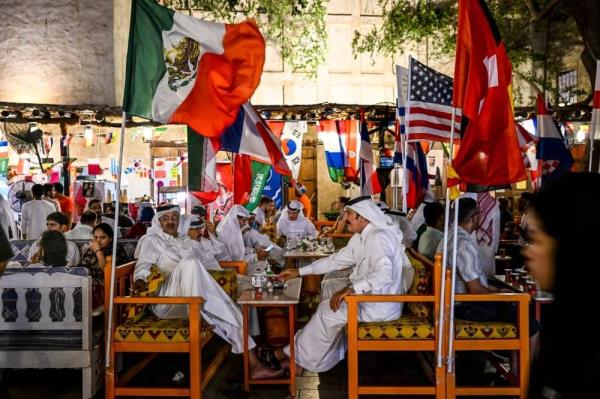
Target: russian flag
x,y
250,135
369,183
334,150
551,149
418,181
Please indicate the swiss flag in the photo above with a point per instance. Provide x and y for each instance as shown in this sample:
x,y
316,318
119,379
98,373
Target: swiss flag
x,y
489,152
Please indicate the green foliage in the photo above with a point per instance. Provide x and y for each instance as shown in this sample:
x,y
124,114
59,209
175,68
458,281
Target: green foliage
x,y
537,48
296,27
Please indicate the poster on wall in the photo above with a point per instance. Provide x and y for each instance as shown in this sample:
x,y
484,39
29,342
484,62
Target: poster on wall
x,y
435,165
88,189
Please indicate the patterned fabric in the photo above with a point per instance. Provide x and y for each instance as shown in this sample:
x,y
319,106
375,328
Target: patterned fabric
x,y
34,299
406,327
484,330
74,271
40,339
421,285
136,312
227,279
90,261
154,330
21,248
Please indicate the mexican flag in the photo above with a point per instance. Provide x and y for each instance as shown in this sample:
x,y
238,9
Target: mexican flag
x,y
181,69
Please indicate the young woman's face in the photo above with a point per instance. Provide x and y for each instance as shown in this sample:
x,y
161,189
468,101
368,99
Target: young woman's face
x,y
540,255
101,238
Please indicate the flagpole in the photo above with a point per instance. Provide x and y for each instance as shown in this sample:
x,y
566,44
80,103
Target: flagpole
x,y
450,355
440,344
113,269
591,150
405,141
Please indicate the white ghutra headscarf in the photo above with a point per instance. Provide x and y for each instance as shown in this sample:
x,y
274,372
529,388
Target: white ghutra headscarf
x,y
231,233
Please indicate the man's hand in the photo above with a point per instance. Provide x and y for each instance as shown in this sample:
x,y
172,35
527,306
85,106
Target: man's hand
x,y
139,286
288,274
209,227
336,300
94,246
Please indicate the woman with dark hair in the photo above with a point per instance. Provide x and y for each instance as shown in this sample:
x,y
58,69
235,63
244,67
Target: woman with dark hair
x,y
52,249
94,258
563,219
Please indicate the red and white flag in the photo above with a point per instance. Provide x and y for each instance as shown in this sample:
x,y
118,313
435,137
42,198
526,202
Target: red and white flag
x,y
369,183
595,125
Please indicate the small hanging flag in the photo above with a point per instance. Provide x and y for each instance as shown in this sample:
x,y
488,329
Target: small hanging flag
x,y
48,143
3,166
66,140
23,166
108,138
94,167
88,136
158,131
3,149
114,168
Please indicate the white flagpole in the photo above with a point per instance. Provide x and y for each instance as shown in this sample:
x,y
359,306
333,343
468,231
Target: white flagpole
x,y
114,248
450,361
405,143
445,247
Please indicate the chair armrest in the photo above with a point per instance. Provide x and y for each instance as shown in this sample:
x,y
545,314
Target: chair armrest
x,y
504,297
241,266
352,299
176,300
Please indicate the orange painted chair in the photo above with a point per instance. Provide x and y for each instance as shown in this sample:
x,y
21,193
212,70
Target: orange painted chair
x,y
414,331
490,336
148,334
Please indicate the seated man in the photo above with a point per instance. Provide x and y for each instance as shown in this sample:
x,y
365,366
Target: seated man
x,y
205,249
379,266
231,228
470,278
184,275
433,234
409,235
293,222
56,221
83,230
264,211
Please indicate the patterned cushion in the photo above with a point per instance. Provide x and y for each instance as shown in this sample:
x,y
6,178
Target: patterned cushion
x,y
484,330
421,285
227,279
406,327
151,329
154,281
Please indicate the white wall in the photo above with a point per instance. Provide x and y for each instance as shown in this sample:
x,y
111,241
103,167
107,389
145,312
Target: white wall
x,y
56,52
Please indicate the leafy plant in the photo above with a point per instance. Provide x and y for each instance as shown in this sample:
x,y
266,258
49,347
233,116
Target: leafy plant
x,y
296,27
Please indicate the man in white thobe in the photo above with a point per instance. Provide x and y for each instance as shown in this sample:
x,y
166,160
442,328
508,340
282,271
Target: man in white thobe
x,y
409,235
230,229
184,275
379,266
56,221
34,214
293,222
7,219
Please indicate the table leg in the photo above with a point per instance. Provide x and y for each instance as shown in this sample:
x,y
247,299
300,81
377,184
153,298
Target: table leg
x,y
245,311
292,327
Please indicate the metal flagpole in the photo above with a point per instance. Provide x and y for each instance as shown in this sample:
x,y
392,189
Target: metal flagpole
x,y
405,143
113,269
450,361
591,147
445,247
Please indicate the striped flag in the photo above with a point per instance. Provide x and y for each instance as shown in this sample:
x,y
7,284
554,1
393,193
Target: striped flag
x,y
400,125
3,149
334,150
526,141
551,148
429,106
369,183
418,181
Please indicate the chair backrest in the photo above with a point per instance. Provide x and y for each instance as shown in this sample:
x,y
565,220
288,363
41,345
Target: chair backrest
x,y
47,299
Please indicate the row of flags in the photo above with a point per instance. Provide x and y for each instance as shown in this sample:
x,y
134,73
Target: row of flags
x,y
184,70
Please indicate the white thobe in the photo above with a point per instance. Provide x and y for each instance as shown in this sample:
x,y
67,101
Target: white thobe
x,y
80,232
185,276
33,218
379,266
72,252
253,238
300,227
260,217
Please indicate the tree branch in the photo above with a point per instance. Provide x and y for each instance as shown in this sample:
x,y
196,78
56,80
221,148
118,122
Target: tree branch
x,y
547,9
532,9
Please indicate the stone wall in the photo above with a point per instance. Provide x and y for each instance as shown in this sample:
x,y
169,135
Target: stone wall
x,y
57,52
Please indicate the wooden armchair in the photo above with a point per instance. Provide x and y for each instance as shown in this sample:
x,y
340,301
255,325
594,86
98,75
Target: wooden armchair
x,y
241,266
155,336
488,336
411,332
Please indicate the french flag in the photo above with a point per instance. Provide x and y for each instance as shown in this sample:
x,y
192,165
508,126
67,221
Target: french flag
x,y
551,149
369,183
418,181
250,135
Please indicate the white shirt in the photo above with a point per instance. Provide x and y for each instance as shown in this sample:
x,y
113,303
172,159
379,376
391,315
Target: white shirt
x,y
80,232
33,217
429,242
209,251
380,266
73,255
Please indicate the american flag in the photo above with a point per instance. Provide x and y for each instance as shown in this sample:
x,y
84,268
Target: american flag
x,y
429,111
